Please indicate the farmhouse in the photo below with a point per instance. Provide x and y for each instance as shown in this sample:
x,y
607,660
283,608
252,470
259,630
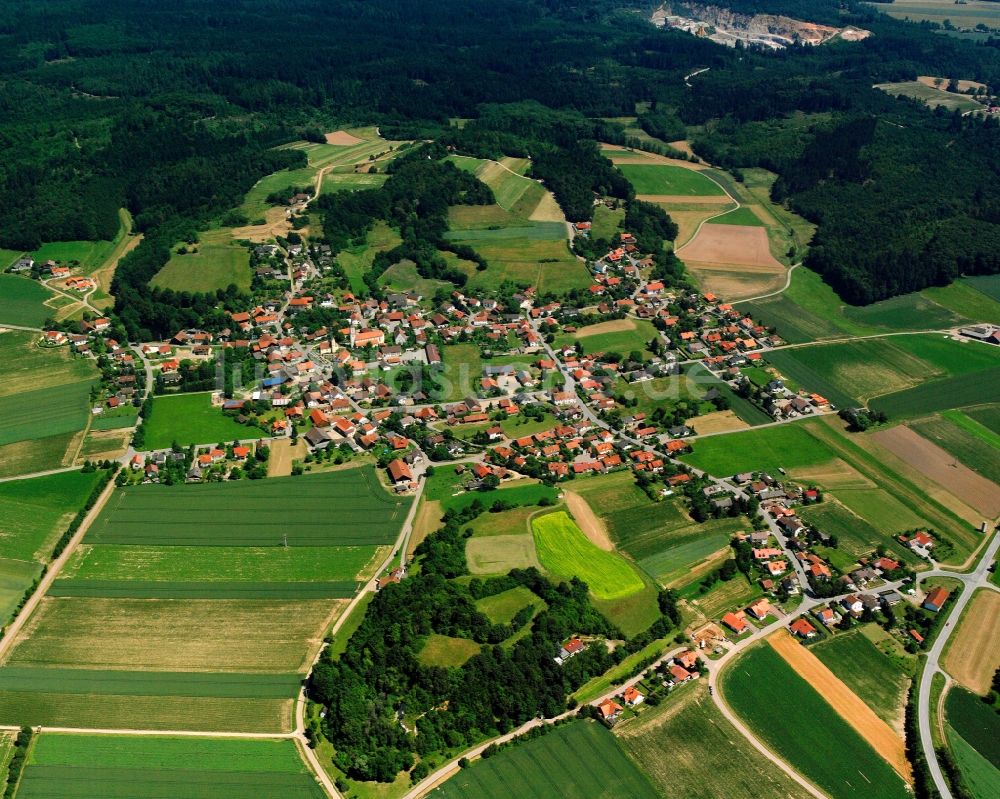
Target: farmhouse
x,y
400,472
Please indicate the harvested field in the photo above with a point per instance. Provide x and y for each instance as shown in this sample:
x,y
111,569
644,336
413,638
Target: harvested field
x,y
175,635
547,210
963,85
736,283
498,554
283,455
973,655
741,245
612,326
428,520
835,474
588,521
342,138
882,738
718,422
936,464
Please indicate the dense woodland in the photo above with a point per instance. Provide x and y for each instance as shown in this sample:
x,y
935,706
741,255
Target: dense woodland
x,y
172,110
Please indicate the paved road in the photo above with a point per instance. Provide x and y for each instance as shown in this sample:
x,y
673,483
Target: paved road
x,y
978,578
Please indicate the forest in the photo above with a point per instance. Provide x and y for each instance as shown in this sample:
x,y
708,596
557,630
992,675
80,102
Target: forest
x,y
172,110
378,681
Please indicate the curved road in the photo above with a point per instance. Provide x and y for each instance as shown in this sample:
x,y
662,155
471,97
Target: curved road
x,y
979,578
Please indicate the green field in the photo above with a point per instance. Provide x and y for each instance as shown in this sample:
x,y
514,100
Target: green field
x,y
686,547
796,723
204,589
965,439
403,277
191,419
508,186
498,554
857,535
679,746
134,683
446,652
739,216
810,310
981,776
938,395
218,263
517,247
502,607
220,635
89,254
867,672
356,261
34,513
985,284
150,767
963,298
976,722
238,564
857,371
255,204
22,301
44,393
444,484
581,760
930,96
968,15
280,511
624,342
352,181
565,551
606,222
787,446
664,179
463,369
986,415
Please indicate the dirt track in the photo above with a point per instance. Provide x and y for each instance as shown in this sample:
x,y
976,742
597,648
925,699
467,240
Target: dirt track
x,y
935,463
585,517
844,701
973,655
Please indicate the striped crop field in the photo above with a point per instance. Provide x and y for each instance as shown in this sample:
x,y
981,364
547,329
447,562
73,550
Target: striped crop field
x,y
346,508
154,767
208,589
581,760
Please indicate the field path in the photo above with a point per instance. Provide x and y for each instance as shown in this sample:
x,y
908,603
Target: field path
x,y
588,521
53,572
847,704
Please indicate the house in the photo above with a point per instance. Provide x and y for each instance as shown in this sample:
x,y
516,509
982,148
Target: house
x,y
317,438
679,675
935,600
852,604
802,628
400,472
632,696
826,616
688,659
395,576
610,710
55,337
572,647
759,609
735,623
916,636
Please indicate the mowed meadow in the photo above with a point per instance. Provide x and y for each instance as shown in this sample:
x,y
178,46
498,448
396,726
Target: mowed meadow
x,y
44,404
199,606
154,767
